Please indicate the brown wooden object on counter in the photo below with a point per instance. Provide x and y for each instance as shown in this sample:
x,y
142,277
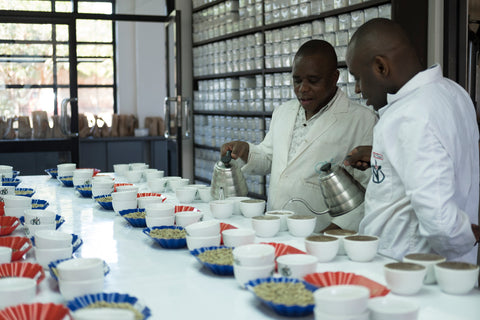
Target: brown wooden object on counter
x,y
40,124
24,128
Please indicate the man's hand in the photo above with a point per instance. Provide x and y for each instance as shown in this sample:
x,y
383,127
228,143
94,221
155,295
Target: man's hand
x,y
476,232
359,158
240,149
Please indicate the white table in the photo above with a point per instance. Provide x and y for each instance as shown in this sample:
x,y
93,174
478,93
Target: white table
x,y
173,284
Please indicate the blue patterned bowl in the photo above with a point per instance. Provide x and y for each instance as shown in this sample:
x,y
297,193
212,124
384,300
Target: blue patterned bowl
x,y
282,309
135,222
25,192
167,243
67,181
116,300
39,204
219,269
85,190
52,172
105,201
10,182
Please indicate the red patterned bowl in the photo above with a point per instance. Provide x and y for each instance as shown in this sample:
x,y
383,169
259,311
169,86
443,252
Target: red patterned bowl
x,y
22,269
19,245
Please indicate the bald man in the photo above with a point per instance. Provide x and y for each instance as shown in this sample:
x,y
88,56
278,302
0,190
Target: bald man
x,y
424,191
321,125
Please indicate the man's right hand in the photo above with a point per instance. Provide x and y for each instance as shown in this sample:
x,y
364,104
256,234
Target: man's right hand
x,y
240,149
359,158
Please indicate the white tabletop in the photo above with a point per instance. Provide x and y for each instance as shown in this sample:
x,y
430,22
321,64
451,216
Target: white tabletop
x,y
173,284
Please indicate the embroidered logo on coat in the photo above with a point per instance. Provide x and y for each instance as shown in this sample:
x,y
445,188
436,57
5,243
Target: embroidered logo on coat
x,y
377,156
377,174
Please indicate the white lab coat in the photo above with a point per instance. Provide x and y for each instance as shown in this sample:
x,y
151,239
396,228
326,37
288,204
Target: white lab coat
x,y
423,195
333,135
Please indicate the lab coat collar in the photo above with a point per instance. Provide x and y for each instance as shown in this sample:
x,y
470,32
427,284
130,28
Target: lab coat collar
x,y
420,79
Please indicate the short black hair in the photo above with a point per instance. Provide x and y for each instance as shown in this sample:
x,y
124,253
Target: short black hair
x,y
321,47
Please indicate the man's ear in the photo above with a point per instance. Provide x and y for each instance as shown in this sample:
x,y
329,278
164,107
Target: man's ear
x,y
380,66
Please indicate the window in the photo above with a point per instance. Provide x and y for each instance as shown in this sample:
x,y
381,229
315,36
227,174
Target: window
x,y
35,57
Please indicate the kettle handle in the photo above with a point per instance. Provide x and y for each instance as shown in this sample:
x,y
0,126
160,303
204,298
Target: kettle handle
x,y
306,205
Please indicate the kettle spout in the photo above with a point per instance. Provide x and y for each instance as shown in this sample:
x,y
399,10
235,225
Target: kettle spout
x,y
306,205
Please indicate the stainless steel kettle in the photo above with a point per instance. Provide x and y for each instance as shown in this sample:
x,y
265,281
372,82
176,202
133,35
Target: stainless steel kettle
x,y
228,179
341,192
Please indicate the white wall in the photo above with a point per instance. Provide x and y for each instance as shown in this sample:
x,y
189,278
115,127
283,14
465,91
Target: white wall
x,y
435,32
141,60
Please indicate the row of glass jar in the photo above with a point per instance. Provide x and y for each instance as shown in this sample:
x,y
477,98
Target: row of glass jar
x,y
210,121
231,83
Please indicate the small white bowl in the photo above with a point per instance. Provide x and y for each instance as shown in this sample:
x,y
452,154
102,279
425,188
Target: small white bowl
x,y
157,185
16,290
252,207
32,229
388,308
186,194
238,237
158,221
200,242
37,217
301,225
160,209
176,183
45,256
70,289
404,278
320,315
222,209
205,194
244,274
266,226
13,201
361,248
52,239
80,269
127,188
283,214
143,202
455,277
236,203
342,299
203,228
255,254
121,169
325,248
5,254
15,212
340,233
124,195
296,265
134,176
428,260
120,205
185,218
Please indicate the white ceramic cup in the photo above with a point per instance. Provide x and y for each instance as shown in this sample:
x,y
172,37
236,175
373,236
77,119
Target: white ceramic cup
x,y
238,237
388,308
80,269
5,254
32,229
283,214
340,233
296,265
194,242
124,195
158,221
404,278
185,218
361,248
121,169
13,201
255,254
70,289
16,290
205,194
134,176
325,248
160,209
157,185
342,300
37,217
428,260
120,205
103,314
186,194
45,256
236,204
301,225
252,207
244,274
203,228
15,212
52,239
221,209
176,183
456,277
143,202
266,226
